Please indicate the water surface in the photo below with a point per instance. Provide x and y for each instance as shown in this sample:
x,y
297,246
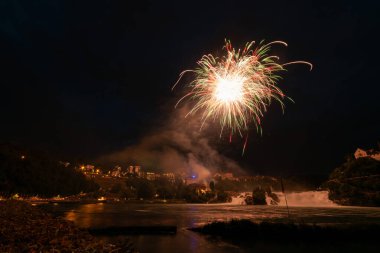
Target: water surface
x,y
189,215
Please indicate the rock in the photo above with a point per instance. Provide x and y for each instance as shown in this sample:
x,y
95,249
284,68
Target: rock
x,y
356,182
24,228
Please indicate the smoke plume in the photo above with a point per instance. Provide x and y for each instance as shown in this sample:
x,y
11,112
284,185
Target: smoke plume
x,y
178,147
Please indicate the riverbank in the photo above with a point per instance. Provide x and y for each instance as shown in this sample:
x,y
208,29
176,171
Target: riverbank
x,y
25,228
129,215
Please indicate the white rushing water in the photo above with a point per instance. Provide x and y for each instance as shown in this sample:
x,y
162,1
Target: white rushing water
x,y
305,199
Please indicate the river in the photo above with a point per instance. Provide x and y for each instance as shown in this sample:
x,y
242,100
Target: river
x,y
189,215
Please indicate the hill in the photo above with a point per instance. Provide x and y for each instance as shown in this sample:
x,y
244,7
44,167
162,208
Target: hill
x,y
30,173
356,182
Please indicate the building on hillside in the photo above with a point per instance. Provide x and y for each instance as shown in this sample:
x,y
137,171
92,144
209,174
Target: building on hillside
x,y
90,170
367,153
151,176
117,171
135,170
227,175
169,176
130,170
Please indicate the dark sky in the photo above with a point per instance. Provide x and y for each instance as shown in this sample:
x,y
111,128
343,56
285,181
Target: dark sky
x,y
85,79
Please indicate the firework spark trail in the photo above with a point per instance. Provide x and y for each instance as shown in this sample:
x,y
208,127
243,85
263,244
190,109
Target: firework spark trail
x,y
237,88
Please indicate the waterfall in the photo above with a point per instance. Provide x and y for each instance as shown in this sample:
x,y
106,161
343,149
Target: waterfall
x,y
307,198
238,200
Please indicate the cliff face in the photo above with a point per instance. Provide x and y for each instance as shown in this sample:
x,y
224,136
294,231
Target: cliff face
x,y
356,182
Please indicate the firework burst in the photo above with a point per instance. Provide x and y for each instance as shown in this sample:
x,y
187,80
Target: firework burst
x,y
237,88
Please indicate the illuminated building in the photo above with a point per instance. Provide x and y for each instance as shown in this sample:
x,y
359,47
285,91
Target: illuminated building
x,y
170,176
367,153
151,176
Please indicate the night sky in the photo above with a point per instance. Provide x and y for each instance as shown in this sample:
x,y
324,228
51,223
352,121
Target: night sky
x,y
87,79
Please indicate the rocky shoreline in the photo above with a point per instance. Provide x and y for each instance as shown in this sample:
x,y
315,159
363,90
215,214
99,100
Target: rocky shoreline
x,y
25,228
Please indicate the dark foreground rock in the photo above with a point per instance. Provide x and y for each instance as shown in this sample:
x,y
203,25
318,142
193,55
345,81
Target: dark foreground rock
x,y
24,228
248,231
134,230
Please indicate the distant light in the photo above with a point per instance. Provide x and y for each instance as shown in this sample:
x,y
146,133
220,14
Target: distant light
x,y
22,157
193,176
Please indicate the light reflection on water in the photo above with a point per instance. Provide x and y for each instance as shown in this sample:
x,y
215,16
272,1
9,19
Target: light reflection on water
x,y
189,215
